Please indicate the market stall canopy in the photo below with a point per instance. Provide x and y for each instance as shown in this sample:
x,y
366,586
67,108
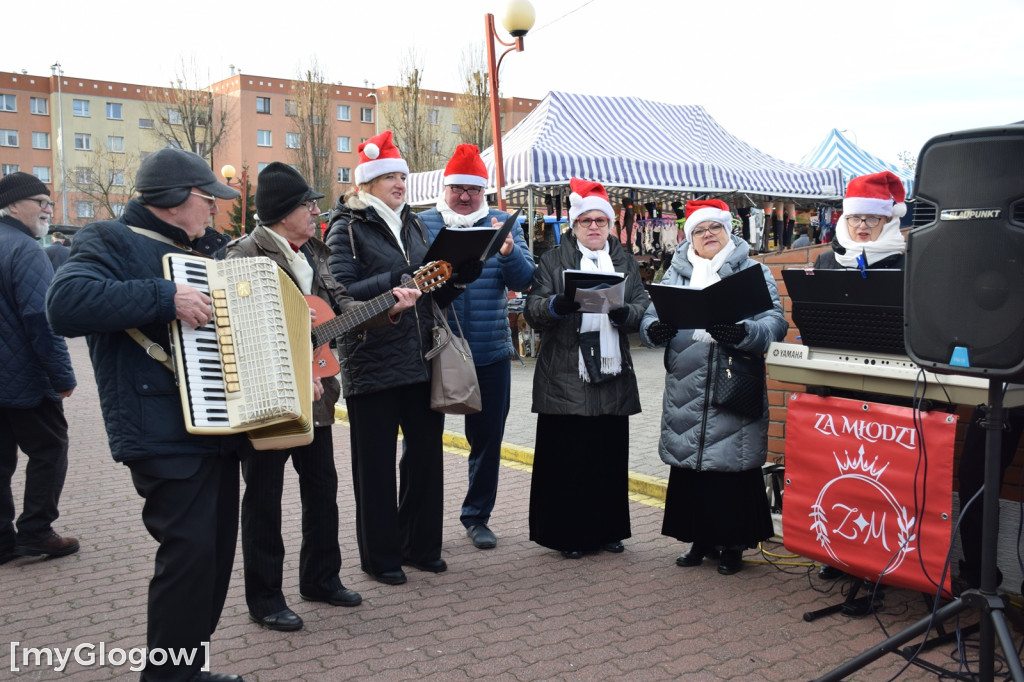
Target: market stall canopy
x,y
627,143
835,151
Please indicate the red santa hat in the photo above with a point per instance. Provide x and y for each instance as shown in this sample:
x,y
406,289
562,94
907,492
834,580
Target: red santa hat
x,y
379,156
466,167
588,196
876,194
699,211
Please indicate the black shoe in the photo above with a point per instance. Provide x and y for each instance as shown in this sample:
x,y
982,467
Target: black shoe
x,y
284,620
827,572
696,555
482,537
390,577
7,556
730,562
432,566
340,597
614,547
572,554
215,677
53,546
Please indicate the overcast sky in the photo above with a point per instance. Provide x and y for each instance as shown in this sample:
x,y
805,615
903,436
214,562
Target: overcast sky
x,y
779,75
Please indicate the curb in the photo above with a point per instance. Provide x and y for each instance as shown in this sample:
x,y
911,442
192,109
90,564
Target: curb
x,y
642,484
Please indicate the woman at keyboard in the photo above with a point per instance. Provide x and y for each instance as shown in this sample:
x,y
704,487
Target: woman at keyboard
x,y
868,233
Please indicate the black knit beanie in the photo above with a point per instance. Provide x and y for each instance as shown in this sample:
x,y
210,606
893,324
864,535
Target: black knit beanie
x,y
17,186
279,189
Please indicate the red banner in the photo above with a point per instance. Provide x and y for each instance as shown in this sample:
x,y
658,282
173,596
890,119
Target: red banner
x,y
852,471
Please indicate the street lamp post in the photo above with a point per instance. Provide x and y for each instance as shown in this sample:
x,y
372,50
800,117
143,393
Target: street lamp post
x,y
376,108
518,20
228,171
59,74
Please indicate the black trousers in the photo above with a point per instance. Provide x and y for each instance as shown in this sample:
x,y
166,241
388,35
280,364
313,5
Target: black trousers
x,y
387,533
195,521
42,434
485,431
262,544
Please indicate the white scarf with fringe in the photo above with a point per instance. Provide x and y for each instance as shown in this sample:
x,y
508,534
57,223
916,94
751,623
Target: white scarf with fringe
x,y
889,243
705,273
453,219
611,356
390,216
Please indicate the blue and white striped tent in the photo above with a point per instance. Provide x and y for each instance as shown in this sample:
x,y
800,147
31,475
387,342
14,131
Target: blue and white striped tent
x,y
835,151
627,143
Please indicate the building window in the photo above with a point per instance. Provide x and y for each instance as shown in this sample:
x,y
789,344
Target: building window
x,y
83,176
366,115
344,175
43,173
8,138
291,140
344,112
115,144
8,168
291,107
260,166
263,138
201,149
146,123
262,105
114,111
117,208
40,140
116,177
174,117
39,105
8,103
80,107
455,128
344,144
84,209
83,142
435,146
432,116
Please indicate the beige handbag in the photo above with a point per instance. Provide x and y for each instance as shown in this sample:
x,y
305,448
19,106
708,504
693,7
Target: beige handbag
x,y
454,388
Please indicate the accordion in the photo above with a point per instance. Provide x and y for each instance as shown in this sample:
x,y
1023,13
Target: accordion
x,y
249,369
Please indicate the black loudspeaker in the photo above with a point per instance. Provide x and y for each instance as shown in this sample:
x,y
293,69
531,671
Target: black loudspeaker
x,y
964,283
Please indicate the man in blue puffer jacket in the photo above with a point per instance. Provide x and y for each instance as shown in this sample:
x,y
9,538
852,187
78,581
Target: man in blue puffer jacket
x,y
482,307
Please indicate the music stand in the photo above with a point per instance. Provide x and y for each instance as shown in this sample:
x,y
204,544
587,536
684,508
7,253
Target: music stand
x,y
993,620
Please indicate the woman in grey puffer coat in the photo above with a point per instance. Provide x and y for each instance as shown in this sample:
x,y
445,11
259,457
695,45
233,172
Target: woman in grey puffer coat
x,y
716,495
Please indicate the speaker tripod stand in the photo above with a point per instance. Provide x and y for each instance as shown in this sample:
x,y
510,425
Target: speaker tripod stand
x,y
984,599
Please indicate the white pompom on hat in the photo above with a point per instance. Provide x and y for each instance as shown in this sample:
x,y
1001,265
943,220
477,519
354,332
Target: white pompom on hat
x,y
701,210
466,167
588,196
876,194
379,156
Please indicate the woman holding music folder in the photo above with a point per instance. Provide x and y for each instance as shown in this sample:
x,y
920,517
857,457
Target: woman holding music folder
x,y
716,493
584,388
376,244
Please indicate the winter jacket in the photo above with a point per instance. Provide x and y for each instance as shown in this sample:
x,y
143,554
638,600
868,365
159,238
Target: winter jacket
x,y
260,243
114,281
694,433
483,307
364,253
557,385
34,362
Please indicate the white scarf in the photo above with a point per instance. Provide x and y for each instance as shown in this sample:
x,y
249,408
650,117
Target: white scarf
x,y
889,243
611,357
297,263
705,273
391,217
453,219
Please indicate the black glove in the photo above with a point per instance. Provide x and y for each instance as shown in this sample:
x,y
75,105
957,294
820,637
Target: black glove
x,y
661,332
727,334
563,306
396,275
618,315
468,272
446,294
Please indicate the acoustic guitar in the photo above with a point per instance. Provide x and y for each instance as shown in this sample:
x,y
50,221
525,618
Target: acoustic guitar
x,y
330,326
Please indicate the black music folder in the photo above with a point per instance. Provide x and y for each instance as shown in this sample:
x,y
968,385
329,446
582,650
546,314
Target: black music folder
x,y
459,245
848,309
731,299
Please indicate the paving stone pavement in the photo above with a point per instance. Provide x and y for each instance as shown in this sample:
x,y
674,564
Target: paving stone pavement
x,y
518,612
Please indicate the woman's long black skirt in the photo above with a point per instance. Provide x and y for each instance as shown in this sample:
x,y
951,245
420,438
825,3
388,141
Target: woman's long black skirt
x,y
724,508
579,495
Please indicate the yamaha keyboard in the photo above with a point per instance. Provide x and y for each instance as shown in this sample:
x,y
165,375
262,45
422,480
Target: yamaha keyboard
x,y
877,373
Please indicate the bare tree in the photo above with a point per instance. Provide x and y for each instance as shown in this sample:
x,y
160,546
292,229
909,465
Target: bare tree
x,y
407,117
908,160
309,111
473,111
109,181
185,115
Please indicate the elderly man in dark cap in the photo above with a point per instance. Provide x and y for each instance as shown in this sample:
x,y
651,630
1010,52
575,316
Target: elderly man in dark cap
x,y
35,376
288,214
114,282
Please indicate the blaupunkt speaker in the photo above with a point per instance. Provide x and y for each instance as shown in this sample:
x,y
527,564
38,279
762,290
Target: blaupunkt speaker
x,y
964,282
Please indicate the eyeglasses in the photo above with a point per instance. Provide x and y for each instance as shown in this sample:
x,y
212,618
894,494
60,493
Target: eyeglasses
x,y
462,189
587,222
714,229
871,221
311,205
43,203
212,200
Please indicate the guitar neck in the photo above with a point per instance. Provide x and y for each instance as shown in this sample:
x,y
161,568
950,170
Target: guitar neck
x,y
356,315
